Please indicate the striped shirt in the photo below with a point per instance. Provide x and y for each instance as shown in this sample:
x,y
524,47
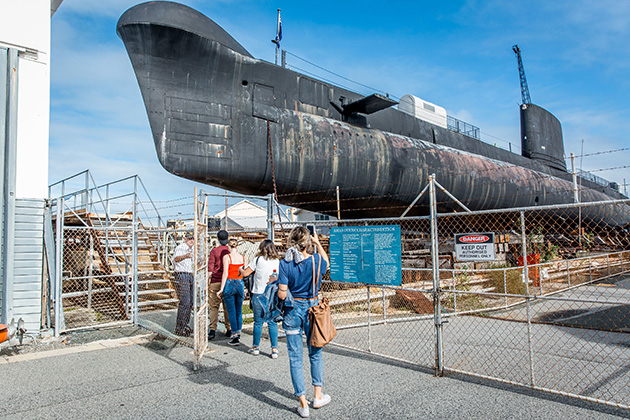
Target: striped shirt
x,y
185,265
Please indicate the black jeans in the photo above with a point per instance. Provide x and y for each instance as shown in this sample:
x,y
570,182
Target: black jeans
x,y
184,287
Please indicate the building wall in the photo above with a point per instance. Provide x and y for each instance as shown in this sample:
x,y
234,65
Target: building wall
x,y
25,26
302,215
28,262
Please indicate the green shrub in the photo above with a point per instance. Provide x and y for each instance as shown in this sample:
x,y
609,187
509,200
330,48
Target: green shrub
x,y
513,280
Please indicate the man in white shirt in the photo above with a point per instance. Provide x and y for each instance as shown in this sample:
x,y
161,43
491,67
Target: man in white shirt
x,y
184,280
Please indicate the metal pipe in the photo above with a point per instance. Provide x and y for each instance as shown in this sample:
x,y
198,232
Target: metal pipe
x,y
415,201
532,377
90,271
384,306
576,197
454,289
134,257
369,306
9,187
338,205
194,264
58,265
452,197
505,290
437,309
270,223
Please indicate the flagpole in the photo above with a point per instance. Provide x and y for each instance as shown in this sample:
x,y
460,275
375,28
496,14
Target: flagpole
x,y
278,36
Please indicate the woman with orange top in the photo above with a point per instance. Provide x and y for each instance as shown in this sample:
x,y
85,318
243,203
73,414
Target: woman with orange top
x,y
233,291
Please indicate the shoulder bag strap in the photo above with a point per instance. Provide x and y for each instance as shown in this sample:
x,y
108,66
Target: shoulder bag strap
x,y
319,266
314,278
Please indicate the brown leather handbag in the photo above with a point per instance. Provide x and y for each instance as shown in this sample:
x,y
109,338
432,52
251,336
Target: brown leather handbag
x,y
322,329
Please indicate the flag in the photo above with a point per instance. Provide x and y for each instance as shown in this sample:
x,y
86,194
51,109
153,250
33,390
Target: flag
x,y
279,30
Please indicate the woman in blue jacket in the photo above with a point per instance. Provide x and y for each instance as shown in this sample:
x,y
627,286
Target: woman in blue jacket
x,y
265,267
297,271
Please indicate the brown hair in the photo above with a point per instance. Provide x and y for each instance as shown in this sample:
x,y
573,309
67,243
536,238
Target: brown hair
x,y
267,250
300,237
233,243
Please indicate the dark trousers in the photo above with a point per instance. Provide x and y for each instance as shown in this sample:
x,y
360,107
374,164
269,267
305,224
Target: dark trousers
x,y
184,286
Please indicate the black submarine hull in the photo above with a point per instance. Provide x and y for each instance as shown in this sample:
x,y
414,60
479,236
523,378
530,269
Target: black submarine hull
x,y
221,117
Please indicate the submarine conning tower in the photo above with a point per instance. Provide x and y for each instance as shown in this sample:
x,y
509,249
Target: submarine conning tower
x,y
541,136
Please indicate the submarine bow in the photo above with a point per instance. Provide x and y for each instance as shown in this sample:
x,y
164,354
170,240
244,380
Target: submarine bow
x,y
221,117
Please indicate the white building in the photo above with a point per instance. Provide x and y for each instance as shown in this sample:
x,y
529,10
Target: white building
x,y
301,215
246,215
24,123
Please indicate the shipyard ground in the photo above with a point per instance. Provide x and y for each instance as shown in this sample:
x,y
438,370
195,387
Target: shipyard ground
x,y
143,376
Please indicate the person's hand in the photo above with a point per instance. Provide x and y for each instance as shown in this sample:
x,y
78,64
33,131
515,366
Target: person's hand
x,y
189,255
272,279
220,293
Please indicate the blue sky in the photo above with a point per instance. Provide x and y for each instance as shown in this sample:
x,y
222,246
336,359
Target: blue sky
x,y
456,54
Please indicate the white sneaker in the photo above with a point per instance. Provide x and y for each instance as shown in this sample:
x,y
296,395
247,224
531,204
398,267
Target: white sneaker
x,y
320,403
303,412
274,353
254,351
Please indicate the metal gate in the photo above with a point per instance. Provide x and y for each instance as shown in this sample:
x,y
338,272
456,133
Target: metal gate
x,y
200,268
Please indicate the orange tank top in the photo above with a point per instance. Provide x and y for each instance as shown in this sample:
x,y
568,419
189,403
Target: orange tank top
x,y
233,272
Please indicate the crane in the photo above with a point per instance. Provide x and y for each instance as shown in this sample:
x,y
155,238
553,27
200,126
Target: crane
x,y
521,72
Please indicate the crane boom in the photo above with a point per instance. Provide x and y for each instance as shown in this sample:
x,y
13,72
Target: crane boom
x,y
521,72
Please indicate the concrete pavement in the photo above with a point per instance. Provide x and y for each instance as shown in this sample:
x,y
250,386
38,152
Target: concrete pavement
x,y
147,377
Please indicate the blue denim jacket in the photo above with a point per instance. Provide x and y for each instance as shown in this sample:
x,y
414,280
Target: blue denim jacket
x,y
272,306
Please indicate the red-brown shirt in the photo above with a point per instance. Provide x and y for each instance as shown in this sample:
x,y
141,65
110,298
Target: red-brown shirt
x,y
215,262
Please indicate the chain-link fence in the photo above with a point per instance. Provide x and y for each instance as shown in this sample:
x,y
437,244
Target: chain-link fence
x,y
96,276
551,311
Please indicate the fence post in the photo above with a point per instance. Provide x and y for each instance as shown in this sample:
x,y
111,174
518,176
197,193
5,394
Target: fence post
x,y
90,269
384,307
270,200
58,266
437,309
454,284
525,274
532,377
505,291
568,275
369,319
134,257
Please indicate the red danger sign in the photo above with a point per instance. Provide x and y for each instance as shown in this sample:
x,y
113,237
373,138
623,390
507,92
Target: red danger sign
x,y
474,247
474,239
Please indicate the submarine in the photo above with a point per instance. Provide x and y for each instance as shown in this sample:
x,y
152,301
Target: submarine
x,y
221,117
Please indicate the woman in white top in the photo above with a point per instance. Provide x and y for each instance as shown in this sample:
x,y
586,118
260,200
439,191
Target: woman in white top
x,y
264,265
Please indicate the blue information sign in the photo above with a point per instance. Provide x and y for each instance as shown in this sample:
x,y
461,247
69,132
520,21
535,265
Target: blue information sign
x,y
365,254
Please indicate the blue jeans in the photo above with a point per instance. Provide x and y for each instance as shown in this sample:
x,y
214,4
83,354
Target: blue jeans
x,y
233,293
258,323
295,323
